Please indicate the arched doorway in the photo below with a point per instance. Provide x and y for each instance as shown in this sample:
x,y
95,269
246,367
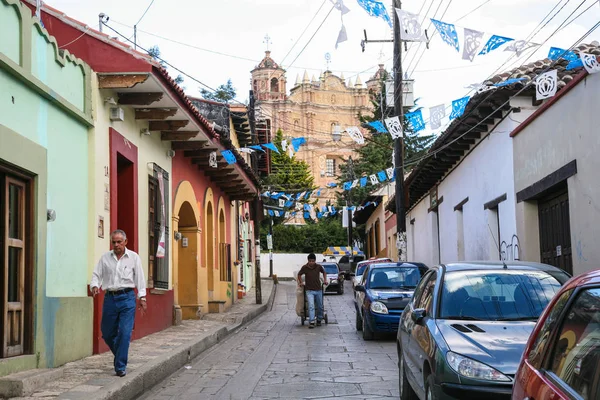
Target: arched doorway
x,y
210,249
222,242
187,246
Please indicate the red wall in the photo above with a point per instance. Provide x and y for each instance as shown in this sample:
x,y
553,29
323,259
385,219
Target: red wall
x,y
160,306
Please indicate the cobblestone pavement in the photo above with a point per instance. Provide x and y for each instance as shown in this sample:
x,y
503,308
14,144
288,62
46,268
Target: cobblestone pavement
x,y
275,357
84,379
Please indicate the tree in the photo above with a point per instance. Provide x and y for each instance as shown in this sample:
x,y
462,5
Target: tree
x,y
288,174
223,94
154,52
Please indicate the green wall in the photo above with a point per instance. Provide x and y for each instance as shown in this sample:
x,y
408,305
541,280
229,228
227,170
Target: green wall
x,y
44,123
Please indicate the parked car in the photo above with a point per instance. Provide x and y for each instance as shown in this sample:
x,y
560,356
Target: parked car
x,y
562,357
348,264
383,293
463,333
335,278
361,266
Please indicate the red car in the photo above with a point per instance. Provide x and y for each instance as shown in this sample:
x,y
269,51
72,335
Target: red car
x,y
562,357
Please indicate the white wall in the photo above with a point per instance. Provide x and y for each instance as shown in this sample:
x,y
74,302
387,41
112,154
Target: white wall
x,y
483,175
566,131
284,265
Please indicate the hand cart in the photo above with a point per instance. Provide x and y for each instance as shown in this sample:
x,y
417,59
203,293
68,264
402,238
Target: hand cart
x,y
304,313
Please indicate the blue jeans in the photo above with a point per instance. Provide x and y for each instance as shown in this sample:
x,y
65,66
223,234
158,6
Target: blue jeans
x,y
312,297
118,314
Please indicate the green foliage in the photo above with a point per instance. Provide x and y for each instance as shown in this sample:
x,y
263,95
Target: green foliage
x,y
314,237
288,174
223,94
154,52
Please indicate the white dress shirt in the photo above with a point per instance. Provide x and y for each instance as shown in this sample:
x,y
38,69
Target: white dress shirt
x,y
113,274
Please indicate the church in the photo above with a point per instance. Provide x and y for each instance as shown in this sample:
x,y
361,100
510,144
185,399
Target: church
x,y
317,109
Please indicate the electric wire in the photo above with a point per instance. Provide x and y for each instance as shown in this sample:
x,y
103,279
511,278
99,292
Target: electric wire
x,y
303,32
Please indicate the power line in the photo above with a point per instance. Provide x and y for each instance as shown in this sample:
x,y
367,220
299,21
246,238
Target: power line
x,y
304,31
311,38
144,14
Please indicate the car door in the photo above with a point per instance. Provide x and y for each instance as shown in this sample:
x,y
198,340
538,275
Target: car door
x,y
571,362
530,381
360,296
415,331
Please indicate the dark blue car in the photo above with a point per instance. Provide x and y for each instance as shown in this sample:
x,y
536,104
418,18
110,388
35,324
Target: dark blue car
x,y
384,291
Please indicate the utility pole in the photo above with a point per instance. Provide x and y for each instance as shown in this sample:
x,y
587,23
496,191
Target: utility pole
x,y
271,247
257,217
348,203
399,142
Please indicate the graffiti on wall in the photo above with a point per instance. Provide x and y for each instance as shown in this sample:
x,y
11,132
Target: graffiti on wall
x,y
510,252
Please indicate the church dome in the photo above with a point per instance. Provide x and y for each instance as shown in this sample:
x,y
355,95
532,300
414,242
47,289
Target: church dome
x,y
267,62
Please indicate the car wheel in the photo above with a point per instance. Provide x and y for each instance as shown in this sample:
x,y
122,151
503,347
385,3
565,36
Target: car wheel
x,y
367,333
358,321
406,391
429,384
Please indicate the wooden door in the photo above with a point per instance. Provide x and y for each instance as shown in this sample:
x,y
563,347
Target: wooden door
x,y
555,231
13,265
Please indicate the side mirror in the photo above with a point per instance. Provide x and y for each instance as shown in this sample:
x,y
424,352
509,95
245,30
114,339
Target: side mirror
x,y
359,288
418,315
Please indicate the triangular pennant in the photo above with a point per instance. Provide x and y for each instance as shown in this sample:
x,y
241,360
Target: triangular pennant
x,y
590,63
493,43
519,46
435,116
546,85
458,107
342,36
447,33
246,150
390,173
373,179
271,146
471,43
257,147
410,28
415,121
297,142
394,127
378,126
376,9
229,156
355,134
284,145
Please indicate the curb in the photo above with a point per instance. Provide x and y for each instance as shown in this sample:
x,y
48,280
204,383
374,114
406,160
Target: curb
x,y
146,377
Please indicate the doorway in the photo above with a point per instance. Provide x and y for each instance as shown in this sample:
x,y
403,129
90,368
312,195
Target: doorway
x,y
188,288
555,230
210,249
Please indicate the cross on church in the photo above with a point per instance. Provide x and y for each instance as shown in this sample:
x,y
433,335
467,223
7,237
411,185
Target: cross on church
x,y
327,61
267,40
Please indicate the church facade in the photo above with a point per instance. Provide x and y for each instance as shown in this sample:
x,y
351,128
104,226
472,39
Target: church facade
x,y
318,109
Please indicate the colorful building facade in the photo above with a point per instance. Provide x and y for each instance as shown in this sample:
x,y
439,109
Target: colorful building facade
x,y
45,123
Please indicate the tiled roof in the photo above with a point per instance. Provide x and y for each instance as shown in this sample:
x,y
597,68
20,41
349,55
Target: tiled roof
x,y
423,176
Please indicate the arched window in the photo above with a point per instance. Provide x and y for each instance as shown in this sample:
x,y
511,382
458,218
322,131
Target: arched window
x,y
274,85
296,124
255,85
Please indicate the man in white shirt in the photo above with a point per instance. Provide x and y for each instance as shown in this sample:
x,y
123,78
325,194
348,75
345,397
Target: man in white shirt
x,y
118,272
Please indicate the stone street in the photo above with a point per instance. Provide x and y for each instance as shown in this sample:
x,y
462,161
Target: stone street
x,y
275,357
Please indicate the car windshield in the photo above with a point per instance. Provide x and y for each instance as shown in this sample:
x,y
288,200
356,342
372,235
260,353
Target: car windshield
x,y
361,269
395,277
498,295
330,269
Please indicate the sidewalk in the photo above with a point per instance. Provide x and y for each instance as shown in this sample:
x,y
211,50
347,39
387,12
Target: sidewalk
x,y
151,359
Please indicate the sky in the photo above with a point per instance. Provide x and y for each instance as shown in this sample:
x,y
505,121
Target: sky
x,y
225,39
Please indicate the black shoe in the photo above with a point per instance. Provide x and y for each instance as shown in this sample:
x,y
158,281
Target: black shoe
x,y
311,325
121,374
318,323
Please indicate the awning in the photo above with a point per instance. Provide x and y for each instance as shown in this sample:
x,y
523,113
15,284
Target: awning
x,y
342,250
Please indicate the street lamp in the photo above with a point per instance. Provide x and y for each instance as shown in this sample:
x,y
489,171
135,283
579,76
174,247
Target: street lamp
x,y
336,135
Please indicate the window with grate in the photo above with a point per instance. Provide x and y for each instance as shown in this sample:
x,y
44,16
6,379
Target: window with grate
x,y
225,261
330,167
158,267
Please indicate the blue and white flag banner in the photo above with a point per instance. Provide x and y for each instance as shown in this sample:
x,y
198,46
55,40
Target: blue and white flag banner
x,y
555,53
493,43
376,9
458,107
228,156
378,126
271,146
415,120
297,142
257,147
447,33
410,27
373,179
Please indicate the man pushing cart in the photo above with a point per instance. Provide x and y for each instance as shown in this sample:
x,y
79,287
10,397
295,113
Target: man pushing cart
x,y
313,290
